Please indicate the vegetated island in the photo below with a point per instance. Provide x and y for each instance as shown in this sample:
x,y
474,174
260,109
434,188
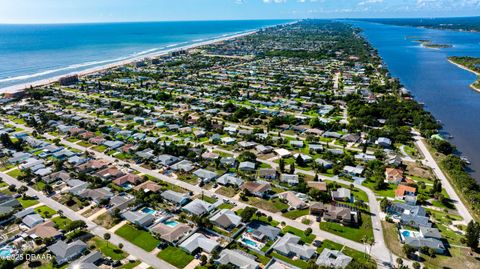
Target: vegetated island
x,y
471,64
428,44
463,24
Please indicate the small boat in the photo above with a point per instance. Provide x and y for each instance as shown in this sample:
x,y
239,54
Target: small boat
x,y
465,159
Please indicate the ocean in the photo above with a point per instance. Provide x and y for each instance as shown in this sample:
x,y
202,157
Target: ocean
x,y
440,85
33,52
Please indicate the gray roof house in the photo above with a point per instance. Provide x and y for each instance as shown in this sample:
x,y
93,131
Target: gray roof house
x,y
262,231
184,165
333,258
167,160
238,258
175,197
87,262
66,252
8,204
226,219
246,166
289,246
419,242
205,175
139,218
197,241
290,179
343,194
32,220
198,207
230,179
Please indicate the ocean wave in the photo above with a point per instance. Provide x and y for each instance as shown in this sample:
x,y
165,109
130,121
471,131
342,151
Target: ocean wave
x,y
101,62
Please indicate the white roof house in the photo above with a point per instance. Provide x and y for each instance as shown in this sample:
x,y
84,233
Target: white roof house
x,y
197,241
333,258
289,246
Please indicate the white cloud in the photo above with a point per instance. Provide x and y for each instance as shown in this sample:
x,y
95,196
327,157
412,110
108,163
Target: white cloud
x,y
369,2
274,1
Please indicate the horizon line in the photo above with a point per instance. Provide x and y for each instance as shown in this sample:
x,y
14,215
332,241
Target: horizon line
x,y
219,20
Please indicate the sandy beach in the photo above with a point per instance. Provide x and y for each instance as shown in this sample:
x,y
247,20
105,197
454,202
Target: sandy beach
x,y
469,70
88,71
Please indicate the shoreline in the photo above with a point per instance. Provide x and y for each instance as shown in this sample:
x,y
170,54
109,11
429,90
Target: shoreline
x,y
469,70
92,70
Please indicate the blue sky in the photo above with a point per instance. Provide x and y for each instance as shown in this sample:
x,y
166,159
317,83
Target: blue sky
x,y
61,11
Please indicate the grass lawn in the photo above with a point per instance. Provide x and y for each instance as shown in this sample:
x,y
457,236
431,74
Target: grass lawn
x,y
106,220
175,256
294,214
307,239
27,202
388,192
355,254
100,148
226,191
108,249
225,206
355,234
45,211
15,173
130,265
61,222
84,144
273,223
142,239
299,263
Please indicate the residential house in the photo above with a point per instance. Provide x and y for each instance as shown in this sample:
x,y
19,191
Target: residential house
x,y
139,218
65,252
246,166
171,234
148,186
291,179
199,241
44,230
167,160
267,173
289,246
226,219
333,259
353,170
205,175
394,175
198,207
293,200
342,194
175,198
404,190
238,258
230,179
257,188
109,173
127,179
263,232
184,165
340,213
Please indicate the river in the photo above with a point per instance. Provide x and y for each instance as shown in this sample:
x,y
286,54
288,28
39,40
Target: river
x,y
440,85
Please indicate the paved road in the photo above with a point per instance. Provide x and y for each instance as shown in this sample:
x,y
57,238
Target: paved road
x,y
131,249
430,161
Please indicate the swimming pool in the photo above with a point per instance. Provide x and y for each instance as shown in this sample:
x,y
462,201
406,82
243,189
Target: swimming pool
x,y
251,243
148,210
408,233
171,223
6,251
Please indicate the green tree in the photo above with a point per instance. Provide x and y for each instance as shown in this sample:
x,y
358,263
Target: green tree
x,y
472,234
